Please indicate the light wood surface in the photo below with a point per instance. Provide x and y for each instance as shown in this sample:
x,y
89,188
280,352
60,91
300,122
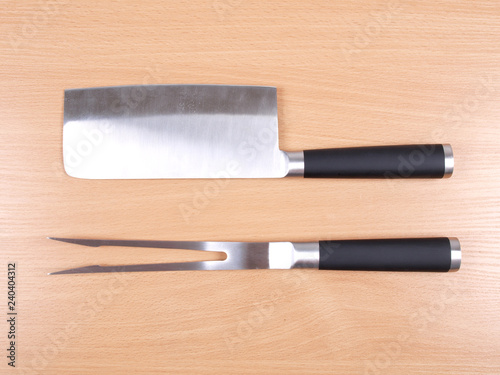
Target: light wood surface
x,y
349,73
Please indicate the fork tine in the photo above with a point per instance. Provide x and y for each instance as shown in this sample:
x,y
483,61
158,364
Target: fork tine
x,y
211,265
181,245
230,248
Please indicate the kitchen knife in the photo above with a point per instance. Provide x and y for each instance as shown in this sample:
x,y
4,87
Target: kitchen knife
x,y
408,254
213,131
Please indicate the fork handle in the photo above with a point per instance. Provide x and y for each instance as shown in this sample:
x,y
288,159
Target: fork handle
x,y
410,254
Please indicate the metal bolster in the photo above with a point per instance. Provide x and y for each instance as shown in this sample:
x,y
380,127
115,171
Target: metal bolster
x,y
295,164
305,255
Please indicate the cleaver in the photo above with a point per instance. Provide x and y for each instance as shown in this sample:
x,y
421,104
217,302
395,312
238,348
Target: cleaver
x,y
213,131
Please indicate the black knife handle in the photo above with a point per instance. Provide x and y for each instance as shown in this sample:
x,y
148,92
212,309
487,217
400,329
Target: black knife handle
x,y
410,254
406,161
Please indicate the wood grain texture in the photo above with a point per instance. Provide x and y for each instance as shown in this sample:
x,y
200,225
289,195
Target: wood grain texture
x,y
349,73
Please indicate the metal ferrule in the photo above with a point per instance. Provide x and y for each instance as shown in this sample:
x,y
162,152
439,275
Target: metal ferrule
x,y
449,162
456,254
295,164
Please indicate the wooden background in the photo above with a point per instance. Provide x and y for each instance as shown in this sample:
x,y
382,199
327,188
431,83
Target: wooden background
x,y
349,73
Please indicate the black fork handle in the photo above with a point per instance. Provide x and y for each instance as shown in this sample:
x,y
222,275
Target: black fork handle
x,y
408,254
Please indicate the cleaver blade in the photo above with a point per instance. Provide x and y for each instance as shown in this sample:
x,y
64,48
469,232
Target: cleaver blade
x,y
172,131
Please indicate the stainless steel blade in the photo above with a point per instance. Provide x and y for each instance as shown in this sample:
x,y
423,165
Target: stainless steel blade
x,y
172,131
239,255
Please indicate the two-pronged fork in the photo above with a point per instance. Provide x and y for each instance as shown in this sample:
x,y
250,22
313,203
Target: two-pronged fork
x,y
410,254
